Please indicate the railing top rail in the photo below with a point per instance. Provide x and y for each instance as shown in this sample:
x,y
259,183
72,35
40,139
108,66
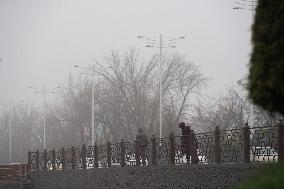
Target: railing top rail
x,y
228,130
68,149
204,133
126,142
265,127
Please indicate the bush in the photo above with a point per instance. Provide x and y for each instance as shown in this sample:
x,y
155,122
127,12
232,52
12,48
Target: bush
x,y
268,177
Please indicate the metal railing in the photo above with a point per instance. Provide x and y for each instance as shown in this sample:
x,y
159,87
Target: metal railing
x,y
259,144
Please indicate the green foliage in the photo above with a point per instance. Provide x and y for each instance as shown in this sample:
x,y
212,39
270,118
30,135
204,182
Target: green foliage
x,y
271,176
266,77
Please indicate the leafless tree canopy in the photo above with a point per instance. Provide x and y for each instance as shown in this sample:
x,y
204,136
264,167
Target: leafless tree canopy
x,y
230,110
126,98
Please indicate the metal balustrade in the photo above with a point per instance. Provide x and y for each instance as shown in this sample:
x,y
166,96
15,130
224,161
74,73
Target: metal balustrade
x,y
259,144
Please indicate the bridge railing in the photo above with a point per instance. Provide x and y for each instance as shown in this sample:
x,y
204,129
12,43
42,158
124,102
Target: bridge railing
x,y
258,144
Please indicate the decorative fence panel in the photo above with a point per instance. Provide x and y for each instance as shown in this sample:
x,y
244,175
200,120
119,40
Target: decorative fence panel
x,y
180,158
149,153
49,160
130,153
91,153
232,148
58,160
115,154
259,144
264,144
32,161
163,151
78,158
102,156
41,161
206,147
68,158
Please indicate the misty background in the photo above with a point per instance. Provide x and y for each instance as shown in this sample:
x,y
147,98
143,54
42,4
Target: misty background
x,y
41,41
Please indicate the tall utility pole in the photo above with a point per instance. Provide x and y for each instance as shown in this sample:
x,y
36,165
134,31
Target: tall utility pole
x,y
10,105
93,110
161,45
161,83
10,132
44,91
10,129
91,71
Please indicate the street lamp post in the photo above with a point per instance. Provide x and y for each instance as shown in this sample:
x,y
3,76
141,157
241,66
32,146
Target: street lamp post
x,y
161,45
10,129
93,111
161,84
91,71
10,104
10,132
44,91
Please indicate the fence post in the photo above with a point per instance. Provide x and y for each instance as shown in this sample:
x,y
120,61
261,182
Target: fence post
x,y
96,156
53,159
193,148
217,146
154,150
63,158
172,148
246,141
108,154
44,160
29,161
84,156
281,141
37,161
73,159
122,154
137,152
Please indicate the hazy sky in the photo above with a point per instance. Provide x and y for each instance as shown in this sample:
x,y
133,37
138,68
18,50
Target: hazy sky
x,y
41,40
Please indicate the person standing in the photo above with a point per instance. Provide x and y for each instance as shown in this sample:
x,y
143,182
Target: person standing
x,y
189,143
142,140
185,140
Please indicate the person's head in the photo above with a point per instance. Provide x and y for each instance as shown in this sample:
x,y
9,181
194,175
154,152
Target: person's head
x,y
182,125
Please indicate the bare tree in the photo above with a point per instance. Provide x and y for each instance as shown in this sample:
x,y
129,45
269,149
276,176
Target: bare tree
x,y
230,110
182,80
69,118
131,91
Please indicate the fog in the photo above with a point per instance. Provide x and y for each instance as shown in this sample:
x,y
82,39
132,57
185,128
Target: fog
x,y
40,40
